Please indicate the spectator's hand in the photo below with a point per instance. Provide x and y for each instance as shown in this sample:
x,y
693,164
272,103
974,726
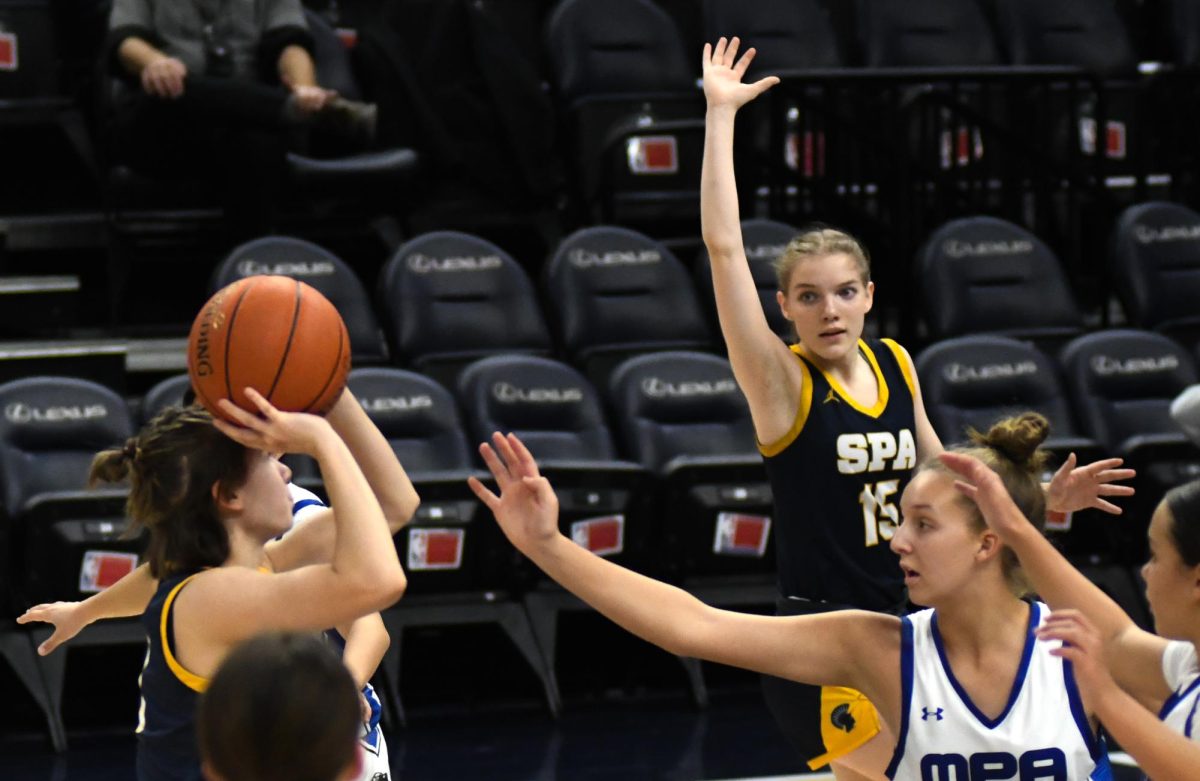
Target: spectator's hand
x,y
163,77
311,99
723,74
67,618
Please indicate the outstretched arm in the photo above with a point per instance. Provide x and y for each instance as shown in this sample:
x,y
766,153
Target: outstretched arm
x,y
850,648
760,361
1161,753
127,597
1136,655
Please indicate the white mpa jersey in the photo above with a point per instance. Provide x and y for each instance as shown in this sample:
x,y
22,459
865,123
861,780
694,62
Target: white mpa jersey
x,y
1043,733
375,765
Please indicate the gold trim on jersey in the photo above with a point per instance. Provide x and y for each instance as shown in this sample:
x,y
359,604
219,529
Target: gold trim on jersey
x,y
880,402
186,677
902,361
778,446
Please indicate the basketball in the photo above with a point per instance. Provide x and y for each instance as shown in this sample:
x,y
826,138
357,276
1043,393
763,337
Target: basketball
x,y
274,334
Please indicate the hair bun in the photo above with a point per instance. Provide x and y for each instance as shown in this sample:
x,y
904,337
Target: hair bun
x,y
1018,439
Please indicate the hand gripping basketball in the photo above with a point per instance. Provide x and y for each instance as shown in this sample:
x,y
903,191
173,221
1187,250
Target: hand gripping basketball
x,y
274,334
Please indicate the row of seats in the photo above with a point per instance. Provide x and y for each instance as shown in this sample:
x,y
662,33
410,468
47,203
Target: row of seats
x,y
634,449
658,472
447,298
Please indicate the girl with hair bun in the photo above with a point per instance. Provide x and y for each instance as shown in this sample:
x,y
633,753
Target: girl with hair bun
x,y
214,497
1126,674
840,424
963,686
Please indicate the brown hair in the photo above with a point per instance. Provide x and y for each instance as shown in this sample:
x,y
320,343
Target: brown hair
x,y
1010,448
172,465
819,241
282,707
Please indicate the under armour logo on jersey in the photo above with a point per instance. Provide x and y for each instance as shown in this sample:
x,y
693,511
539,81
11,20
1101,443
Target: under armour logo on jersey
x,y
934,713
831,396
841,718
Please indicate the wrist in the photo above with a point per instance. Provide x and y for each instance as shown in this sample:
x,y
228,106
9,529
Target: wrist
x,y
724,112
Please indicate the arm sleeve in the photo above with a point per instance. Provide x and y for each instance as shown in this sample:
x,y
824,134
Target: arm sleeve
x,y
1179,664
128,19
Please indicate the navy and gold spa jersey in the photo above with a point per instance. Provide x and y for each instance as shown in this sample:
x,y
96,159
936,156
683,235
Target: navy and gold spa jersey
x,y
836,477
167,749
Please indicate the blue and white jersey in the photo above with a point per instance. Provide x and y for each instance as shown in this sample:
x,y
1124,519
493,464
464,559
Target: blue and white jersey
x,y
1043,732
304,503
375,765
1182,673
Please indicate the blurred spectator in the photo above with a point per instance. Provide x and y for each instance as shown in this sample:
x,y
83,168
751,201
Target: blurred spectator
x,y
1185,409
222,87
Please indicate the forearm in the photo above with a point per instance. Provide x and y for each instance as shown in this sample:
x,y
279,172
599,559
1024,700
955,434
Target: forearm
x,y
720,219
135,54
1059,583
383,471
367,641
129,596
659,613
296,67
363,551
1161,753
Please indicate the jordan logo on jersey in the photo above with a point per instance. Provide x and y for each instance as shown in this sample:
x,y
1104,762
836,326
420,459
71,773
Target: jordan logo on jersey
x,y
876,451
932,713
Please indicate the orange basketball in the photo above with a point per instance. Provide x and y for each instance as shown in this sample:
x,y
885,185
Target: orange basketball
x,y
274,334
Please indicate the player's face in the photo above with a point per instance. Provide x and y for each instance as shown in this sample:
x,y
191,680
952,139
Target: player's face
x,y
827,301
1172,589
268,506
936,541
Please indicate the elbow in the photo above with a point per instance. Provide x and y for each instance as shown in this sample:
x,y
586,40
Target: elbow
x,y
401,511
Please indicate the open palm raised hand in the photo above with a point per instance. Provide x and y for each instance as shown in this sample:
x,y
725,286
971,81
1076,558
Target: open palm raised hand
x,y
723,74
526,509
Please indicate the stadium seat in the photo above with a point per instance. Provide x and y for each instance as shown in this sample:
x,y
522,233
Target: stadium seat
x,y
987,275
681,415
970,382
925,33
449,298
613,292
789,35
1086,33
456,558
1155,264
316,266
64,541
632,116
765,241
605,504
1122,382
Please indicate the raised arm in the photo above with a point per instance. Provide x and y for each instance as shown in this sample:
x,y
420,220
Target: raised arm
x,y
849,648
762,364
363,575
312,543
1135,656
